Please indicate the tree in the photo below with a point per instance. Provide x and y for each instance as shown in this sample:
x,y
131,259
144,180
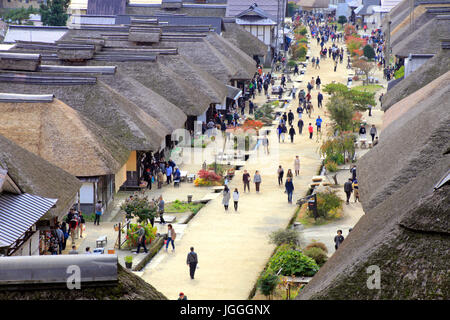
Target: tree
x,y
54,13
369,52
364,66
342,20
18,15
140,208
341,112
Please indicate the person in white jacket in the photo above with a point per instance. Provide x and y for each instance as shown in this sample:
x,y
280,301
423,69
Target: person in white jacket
x,y
235,198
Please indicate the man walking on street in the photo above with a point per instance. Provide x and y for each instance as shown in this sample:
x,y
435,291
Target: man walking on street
x,y
311,130
98,212
280,175
246,180
141,239
319,99
300,126
348,188
292,133
192,261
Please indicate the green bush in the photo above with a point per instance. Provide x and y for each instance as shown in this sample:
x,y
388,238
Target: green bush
x,y
319,245
399,73
342,19
293,262
319,256
369,52
303,31
128,259
282,236
328,201
267,283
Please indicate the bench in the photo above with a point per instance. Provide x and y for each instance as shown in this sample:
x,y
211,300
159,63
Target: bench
x,y
101,241
183,175
190,177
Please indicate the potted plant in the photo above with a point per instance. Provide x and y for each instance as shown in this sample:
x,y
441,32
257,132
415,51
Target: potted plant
x,y
128,261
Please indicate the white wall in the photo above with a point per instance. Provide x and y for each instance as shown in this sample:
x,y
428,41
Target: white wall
x,y
414,64
87,193
261,32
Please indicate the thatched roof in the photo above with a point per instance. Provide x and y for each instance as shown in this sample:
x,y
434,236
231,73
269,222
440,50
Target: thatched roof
x,y
405,229
107,108
244,40
425,39
206,57
430,70
245,63
36,176
401,31
60,135
129,287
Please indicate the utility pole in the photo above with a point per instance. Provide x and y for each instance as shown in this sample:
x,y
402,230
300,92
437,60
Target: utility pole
x,y
388,41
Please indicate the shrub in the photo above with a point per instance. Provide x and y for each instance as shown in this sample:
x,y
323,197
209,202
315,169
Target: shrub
x,y
293,262
369,52
132,237
128,259
139,208
282,236
328,201
331,166
267,283
316,244
342,19
399,73
319,256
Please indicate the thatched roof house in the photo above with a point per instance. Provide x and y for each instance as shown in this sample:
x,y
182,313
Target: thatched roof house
x,y
99,102
34,175
244,40
405,229
63,137
425,40
432,69
129,287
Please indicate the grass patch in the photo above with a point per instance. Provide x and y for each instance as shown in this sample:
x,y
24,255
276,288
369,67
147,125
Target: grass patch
x,y
180,206
372,88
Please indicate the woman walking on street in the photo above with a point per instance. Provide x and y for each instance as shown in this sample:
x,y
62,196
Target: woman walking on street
x,y
297,165
289,189
235,198
257,180
289,174
171,235
226,198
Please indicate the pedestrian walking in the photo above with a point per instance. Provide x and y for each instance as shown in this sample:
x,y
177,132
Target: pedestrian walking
x,y
169,171
300,126
290,117
257,180
289,189
192,261
160,178
353,172
318,82
318,124
373,132
246,180
161,210
82,224
297,165
362,132
283,132
289,174
338,239
171,236
355,190
311,130
319,99
235,198
141,239
348,188
279,131
98,212
280,175
226,197
292,133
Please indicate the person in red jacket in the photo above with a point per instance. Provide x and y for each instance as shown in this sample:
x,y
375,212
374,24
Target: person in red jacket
x,y
311,130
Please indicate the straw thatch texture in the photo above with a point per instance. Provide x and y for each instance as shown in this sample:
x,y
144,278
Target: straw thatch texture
x,y
178,93
430,70
421,17
246,64
198,11
36,176
148,35
425,39
397,14
206,57
199,79
129,287
60,135
244,40
108,109
405,230
19,61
